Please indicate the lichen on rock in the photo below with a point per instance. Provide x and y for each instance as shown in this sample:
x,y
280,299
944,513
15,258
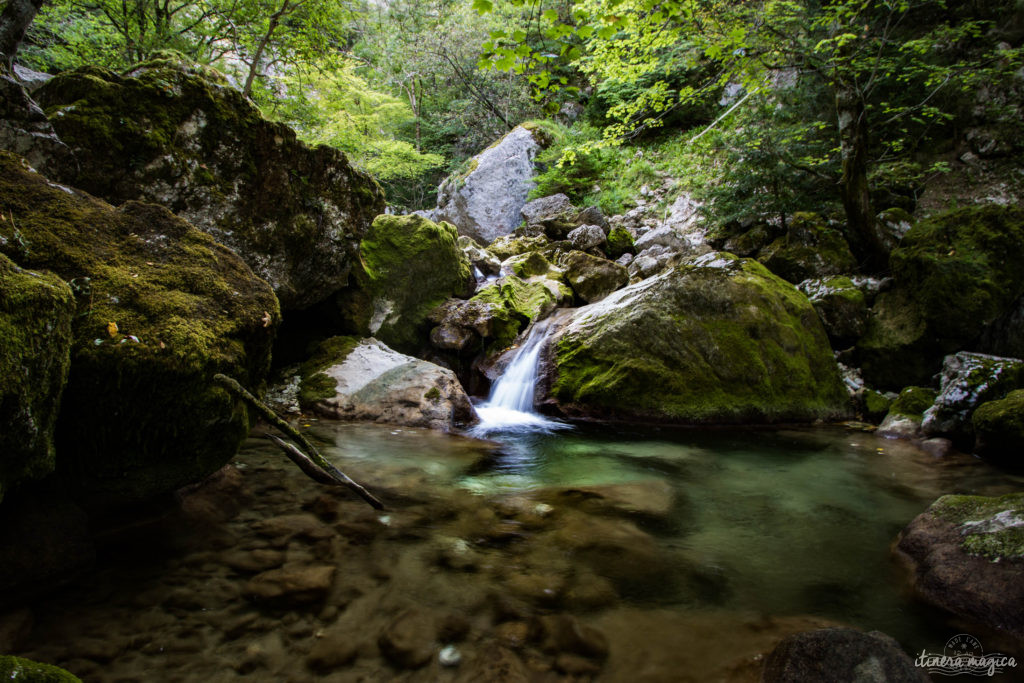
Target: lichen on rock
x,y
721,340
161,308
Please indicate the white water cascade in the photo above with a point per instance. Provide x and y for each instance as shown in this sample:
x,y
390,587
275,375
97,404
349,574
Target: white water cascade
x,y
510,406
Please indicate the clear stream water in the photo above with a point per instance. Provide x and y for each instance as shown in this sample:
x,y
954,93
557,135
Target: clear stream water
x,y
766,532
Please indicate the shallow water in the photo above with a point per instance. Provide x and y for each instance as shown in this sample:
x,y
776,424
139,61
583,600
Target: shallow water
x,y
690,551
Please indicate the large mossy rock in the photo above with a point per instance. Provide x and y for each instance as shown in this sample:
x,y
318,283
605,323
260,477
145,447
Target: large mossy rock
x,y
721,340
352,379
484,201
956,274
35,346
903,420
967,381
591,277
408,266
177,135
967,557
161,308
999,428
842,307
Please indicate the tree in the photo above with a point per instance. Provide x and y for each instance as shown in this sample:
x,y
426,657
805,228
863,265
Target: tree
x,y
14,21
883,65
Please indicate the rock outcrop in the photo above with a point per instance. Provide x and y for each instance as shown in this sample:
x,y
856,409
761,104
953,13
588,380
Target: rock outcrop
x,y
484,202
35,325
176,134
720,340
161,308
968,380
956,275
967,557
999,428
25,130
351,379
810,249
408,266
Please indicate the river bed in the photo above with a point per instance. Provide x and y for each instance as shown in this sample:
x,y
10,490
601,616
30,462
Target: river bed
x,y
595,553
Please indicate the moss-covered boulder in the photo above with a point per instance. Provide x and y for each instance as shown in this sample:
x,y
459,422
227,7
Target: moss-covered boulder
x,y
903,420
956,274
591,277
554,216
523,300
408,266
35,345
967,556
161,308
810,249
176,134
968,380
507,246
721,340
999,427
364,380
27,671
620,241
842,307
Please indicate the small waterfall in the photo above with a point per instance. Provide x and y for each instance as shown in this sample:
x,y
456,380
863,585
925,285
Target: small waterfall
x,y
510,405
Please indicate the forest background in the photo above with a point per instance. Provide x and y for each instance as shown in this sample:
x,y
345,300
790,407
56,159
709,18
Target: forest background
x,y
758,109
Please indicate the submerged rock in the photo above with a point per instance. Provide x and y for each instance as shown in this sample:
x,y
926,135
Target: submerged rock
x,y
957,275
408,267
967,557
350,379
720,340
408,641
484,202
161,309
36,310
176,134
291,586
840,655
968,380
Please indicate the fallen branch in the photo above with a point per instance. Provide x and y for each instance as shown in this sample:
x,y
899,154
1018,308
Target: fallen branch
x,y
308,458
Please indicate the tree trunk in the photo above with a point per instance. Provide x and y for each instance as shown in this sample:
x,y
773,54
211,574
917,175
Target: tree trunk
x,y
14,21
275,20
853,135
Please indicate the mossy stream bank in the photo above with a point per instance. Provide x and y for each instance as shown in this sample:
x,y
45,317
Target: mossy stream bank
x,y
591,554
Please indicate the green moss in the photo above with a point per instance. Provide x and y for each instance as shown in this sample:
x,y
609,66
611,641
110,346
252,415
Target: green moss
x,y
955,273
516,303
732,343
991,527
810,249
508,245
876,405
913,401
620,241
161,307
433,393
530,264
314,385
35,342
25,670
409,266
999,426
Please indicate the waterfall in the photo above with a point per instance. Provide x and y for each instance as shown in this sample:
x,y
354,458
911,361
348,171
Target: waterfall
x,y
510,405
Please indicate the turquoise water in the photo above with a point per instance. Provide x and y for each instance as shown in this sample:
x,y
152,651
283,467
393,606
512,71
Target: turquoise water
x,y
716,544
776,522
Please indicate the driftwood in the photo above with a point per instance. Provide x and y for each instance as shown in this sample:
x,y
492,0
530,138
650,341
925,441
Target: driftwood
x,y
308,458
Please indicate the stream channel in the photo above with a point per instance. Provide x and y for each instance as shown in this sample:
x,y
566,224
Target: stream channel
x,y
543,552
